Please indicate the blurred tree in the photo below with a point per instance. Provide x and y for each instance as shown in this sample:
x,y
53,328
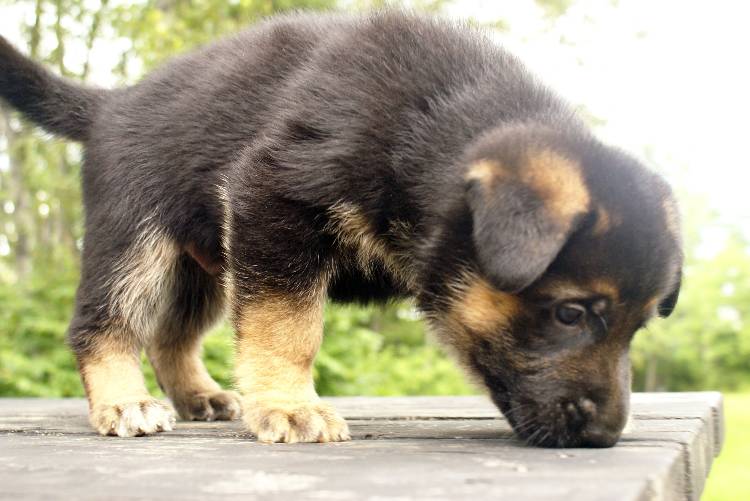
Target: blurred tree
x,y
554,8
706,342
160,29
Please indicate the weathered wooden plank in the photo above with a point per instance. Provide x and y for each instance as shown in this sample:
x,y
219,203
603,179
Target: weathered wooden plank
x,y
419,448
691,435
193,467
426,430
707,406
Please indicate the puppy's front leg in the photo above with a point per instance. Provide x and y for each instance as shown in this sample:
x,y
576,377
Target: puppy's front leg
x,y
277,340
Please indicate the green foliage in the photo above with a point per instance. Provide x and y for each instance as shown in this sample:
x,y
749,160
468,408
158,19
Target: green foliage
x,y
554,8
158,30
728,479
34,360
706,342
382,351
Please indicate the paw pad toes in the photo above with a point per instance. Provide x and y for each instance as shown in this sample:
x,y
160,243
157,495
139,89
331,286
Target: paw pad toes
x,y
132,419
295,423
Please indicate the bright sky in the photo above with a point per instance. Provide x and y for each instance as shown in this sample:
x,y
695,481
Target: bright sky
x,y
669,79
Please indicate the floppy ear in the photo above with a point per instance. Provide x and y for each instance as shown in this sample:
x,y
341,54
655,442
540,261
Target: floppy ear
x,y
667,305
523,215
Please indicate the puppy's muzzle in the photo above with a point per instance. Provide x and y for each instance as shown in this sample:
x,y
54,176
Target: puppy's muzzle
x,y
593,425
569,422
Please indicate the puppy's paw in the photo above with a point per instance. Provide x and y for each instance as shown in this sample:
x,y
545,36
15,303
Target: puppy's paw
x,y
209,406
292,422
132,418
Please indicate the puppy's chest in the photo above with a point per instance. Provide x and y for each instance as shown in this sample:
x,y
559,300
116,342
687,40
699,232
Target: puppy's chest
x,y
378,257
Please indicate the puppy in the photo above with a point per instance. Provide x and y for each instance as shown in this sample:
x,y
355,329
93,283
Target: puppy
x,y
357,159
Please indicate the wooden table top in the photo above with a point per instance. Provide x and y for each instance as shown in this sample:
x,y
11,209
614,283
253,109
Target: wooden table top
x,y
403,448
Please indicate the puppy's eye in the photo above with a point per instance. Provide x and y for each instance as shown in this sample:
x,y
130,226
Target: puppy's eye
x,y
570,313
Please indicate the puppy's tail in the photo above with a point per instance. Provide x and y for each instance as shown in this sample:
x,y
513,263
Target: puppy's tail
x,y
59,106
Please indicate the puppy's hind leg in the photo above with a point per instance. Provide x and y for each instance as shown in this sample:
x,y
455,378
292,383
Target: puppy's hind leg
x,y
120,300
196,301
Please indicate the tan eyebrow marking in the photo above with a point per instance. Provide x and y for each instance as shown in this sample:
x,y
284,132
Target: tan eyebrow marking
x,y
567,289
605,287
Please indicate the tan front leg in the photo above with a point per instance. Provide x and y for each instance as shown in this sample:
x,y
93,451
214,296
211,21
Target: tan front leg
x,y
277,340
119,403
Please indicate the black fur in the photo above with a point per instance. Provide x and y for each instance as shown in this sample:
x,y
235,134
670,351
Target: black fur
x,y
303,115
57,105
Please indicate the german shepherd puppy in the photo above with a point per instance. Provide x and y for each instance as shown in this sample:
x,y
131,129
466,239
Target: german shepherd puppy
x,y
357,159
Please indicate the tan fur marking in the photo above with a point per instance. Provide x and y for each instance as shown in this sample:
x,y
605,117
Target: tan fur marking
x,y
180,369
113,377
569,290
558,180
119,403
564,290
226,239
603,222
486,172
144,281
277,340
605,287
353,229
650,308
478,311
183,377
484,309
555,178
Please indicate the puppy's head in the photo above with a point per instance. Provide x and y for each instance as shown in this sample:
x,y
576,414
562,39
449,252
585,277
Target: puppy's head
x,y
575,246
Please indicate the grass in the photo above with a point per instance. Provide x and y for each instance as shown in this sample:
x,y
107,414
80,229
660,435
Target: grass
x,y
728,480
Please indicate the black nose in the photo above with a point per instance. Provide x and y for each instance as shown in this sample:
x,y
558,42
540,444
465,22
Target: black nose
x,y
596,436
594,426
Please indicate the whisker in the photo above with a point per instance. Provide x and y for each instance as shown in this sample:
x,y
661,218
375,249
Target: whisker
x,y
531,439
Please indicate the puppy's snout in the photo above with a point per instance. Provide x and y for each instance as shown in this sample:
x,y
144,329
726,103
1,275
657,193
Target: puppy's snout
x,y
596,436
596,423
580,412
